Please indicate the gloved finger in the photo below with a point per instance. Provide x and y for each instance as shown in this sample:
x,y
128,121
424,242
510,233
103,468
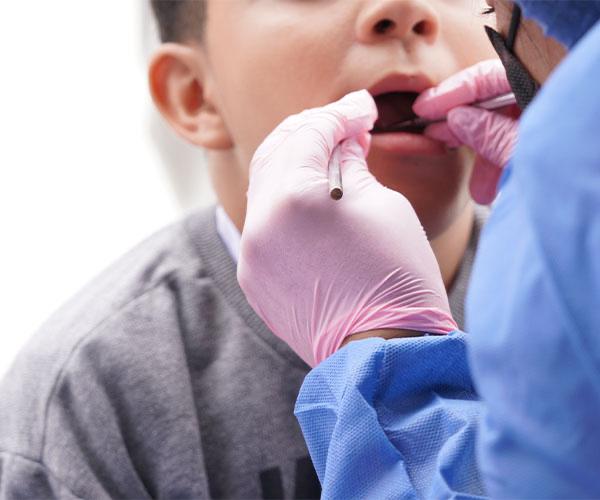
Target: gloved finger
x,y
312,135
482,81
365,142
491,135
353,165
349,157
483,185
441,132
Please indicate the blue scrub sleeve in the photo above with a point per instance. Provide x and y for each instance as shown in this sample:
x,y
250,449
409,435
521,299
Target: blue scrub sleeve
x,y
393,419
534,302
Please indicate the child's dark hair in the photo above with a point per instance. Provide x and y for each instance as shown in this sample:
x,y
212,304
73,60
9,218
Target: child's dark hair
x,y
179,20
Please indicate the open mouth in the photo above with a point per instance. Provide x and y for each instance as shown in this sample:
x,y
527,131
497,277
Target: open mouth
x,y
394,109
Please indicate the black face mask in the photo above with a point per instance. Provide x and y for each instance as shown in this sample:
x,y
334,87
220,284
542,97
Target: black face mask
x,y
522,83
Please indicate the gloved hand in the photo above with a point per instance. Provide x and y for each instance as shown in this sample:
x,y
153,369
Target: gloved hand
x,y
318,270
490,134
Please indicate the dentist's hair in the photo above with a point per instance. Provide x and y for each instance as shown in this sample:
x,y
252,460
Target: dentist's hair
x,y
179,21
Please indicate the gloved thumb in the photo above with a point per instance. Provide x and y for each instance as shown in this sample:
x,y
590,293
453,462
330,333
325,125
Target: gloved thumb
x,y
491,135
353,165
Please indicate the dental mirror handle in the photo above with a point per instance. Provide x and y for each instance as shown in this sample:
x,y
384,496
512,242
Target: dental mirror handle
x,y
497,102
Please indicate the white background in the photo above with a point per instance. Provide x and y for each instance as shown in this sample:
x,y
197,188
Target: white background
x,y
87,169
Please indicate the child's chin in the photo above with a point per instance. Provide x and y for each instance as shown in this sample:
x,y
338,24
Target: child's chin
x,y
420,173
436,187
437,220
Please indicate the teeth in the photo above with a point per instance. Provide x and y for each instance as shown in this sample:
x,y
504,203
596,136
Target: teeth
x,y
393,108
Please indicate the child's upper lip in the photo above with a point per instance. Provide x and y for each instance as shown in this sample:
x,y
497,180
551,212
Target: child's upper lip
x,y
401,82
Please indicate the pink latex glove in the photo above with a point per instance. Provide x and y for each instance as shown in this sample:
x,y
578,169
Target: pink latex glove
x,y
318,270
490,134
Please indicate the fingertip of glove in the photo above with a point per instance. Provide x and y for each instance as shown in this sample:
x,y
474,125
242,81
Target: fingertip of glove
x,y
483,185
424,105
435,103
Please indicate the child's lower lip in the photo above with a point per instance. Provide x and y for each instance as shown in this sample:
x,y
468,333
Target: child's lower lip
x,y
408,144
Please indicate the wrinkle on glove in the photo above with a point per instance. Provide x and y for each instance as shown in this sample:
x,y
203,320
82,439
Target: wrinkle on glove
x,y
493,136
393,419
533,306
317,270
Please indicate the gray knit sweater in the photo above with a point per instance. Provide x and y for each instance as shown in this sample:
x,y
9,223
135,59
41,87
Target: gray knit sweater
x,y
158,380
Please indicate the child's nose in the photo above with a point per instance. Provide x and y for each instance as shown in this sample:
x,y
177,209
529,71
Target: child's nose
x,y
408,20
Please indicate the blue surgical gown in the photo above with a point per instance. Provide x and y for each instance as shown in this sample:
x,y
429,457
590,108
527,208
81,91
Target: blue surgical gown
x,y
401,418
534,305
393,419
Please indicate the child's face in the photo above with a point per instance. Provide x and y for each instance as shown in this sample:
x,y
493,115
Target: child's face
x,y
272,58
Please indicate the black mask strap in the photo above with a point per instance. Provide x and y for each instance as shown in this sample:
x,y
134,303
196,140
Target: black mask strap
x,y
523,85
515,22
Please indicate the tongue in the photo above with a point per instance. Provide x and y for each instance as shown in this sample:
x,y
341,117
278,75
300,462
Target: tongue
x,y
393,108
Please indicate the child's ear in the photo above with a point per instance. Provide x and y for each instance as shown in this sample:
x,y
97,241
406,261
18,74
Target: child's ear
x,y
177,77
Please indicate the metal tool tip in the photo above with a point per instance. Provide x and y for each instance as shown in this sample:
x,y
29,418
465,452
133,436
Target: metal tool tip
x,y
336,193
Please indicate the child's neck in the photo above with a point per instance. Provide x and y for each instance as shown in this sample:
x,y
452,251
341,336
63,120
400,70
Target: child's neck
x,y
450,246
230,183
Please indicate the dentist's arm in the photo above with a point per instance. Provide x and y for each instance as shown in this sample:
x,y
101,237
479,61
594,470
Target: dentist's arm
x,y
382,418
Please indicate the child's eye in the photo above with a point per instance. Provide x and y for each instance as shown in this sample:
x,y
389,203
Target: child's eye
x,y
489,10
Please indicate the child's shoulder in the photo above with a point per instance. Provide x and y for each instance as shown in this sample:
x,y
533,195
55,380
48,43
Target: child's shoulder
x,y
123,329
133,288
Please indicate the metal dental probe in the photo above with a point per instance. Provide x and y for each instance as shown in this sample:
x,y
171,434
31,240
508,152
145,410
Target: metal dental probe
x,y
490,104
336,190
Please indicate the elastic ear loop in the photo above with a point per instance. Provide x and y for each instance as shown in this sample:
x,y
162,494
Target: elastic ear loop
x,y
515,21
